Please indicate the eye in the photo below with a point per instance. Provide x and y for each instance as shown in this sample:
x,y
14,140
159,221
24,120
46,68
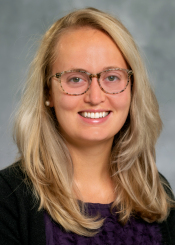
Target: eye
x,y
75,79
112,78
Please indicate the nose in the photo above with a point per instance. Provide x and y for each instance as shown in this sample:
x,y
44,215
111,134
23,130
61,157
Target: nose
x,y
94,95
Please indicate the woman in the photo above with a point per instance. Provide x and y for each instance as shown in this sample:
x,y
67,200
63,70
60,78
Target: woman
x,y
86,133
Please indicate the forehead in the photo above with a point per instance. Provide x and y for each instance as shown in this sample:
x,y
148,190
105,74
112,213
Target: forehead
x,y
83,37
87,46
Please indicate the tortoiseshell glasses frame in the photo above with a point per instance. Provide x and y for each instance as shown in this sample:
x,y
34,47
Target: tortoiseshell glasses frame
x,y
89,79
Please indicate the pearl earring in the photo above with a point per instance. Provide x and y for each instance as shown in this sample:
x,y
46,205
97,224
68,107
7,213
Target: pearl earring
x,y
47,103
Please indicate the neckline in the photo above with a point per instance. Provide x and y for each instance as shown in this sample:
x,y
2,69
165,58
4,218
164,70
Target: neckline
x,y
98,205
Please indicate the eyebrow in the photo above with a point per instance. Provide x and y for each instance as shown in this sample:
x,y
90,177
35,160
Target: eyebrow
x,y
77,68
105,68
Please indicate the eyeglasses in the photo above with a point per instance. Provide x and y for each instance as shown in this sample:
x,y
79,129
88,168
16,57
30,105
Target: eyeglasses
x,y
77,82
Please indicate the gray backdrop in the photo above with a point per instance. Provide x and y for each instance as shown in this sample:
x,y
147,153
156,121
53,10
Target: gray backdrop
x,y
151,22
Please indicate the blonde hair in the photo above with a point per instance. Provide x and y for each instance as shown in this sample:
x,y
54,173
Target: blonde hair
x,y
46,160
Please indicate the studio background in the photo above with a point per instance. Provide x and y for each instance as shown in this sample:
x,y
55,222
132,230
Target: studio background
x,y
152,24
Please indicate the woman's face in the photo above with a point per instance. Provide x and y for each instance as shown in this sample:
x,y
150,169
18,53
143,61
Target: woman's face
x,y
92,51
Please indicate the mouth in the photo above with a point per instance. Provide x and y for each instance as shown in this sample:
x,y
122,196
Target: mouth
x,y
94,114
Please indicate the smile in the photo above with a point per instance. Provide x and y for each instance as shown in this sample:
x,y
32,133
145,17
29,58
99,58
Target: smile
x,y
94,114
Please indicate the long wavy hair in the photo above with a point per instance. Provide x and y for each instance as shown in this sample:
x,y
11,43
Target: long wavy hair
x,y
45,158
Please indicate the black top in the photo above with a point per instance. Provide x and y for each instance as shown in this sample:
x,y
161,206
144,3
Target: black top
x,y
22,224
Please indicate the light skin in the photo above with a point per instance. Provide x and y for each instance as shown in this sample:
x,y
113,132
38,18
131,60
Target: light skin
x,y
89,142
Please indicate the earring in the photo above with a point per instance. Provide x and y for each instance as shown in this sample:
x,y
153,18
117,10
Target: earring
x,y
47,103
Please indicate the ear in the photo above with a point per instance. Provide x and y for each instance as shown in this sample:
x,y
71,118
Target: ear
x,y
51,98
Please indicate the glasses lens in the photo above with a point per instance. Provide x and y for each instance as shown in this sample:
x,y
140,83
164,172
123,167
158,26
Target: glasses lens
x,y
74,82
114,81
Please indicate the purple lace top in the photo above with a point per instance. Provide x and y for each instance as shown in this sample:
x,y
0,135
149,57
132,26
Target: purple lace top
x,y
135,232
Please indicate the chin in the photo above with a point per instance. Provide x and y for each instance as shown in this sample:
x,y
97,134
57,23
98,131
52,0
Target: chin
x,y
96,138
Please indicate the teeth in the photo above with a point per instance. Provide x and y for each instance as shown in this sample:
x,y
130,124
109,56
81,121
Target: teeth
x,y
97,115
94,114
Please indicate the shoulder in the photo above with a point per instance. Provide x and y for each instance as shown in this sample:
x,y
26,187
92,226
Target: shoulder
x,y
12,174
168,226
166,186
15,194
12,182
20,220
15,189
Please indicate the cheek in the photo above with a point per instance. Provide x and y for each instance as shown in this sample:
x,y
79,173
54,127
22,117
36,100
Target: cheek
x,y
122,102
64,103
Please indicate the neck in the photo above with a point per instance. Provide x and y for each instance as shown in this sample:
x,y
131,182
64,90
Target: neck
x,y
92,179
